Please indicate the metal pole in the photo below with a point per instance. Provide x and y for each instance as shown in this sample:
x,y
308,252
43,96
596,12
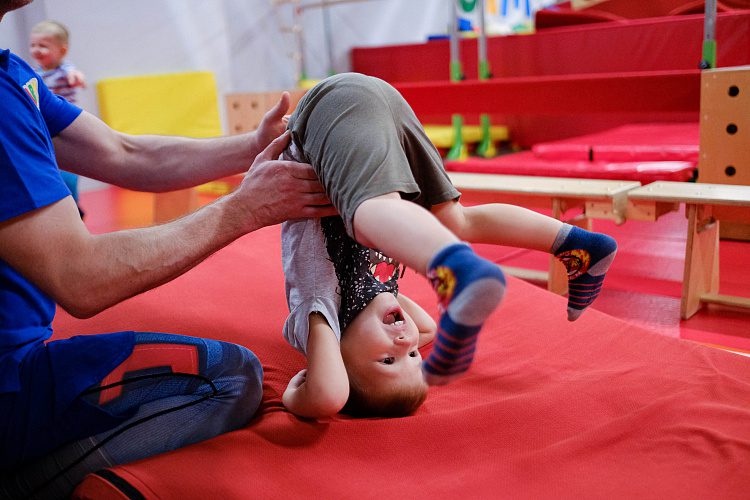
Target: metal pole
x,y
458,151
709,36
328,36
485,148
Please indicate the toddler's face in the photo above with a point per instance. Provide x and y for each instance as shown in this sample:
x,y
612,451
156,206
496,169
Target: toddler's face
x,y
381,344
47,51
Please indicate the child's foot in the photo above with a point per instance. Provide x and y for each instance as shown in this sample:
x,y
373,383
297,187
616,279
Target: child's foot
x,y
587,257
469,289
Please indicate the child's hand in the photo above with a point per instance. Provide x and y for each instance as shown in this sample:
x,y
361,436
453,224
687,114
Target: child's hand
x,y
76,79
297,380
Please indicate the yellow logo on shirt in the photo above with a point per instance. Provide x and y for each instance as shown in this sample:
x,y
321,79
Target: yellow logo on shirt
x,y
32,88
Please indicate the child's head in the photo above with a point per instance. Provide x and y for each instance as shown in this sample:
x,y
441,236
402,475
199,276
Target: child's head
x,y
379,349
49,44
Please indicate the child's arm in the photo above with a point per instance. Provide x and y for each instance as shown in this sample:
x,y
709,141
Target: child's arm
x,y
323,388
425,324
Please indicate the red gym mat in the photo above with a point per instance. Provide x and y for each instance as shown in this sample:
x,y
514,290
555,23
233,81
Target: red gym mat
x,y
526,163
636,142
598,408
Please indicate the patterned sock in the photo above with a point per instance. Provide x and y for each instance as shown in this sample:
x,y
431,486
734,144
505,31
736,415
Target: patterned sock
x,y
587,257
469,289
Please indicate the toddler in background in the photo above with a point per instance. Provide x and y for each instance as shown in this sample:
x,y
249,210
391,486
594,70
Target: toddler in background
x,y
49,46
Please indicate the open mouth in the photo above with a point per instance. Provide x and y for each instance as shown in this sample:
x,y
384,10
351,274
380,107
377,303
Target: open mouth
x,y
394,317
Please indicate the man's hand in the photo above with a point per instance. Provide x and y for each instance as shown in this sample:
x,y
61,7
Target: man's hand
x,y
273,123
277,190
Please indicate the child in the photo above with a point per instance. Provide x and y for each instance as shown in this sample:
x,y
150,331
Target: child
x,y
49,45
388,183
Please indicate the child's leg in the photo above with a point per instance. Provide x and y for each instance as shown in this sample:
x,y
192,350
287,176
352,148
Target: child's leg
x,y
469,287
586,255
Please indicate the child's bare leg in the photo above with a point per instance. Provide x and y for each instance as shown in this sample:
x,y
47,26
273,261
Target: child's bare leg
x,y
469,287
586,255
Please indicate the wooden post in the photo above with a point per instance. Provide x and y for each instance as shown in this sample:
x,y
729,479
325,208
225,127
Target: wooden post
x,y
701,275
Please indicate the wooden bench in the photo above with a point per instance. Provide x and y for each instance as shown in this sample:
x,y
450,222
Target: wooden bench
x,y
596,199
706,205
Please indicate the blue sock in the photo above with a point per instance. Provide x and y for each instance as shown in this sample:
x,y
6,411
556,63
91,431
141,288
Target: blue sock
x,y
587,257
469,289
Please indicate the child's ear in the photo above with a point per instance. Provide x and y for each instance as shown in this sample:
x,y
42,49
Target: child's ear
x,y
63,50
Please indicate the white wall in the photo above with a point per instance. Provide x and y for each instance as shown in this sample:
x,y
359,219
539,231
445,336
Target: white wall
x,y
240,41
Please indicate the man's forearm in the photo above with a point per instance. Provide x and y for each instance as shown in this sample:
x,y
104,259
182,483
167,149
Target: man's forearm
x,y
114,266
151,162
158,164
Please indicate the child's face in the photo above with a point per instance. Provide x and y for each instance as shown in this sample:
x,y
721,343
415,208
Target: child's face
x,y
47,51
380,345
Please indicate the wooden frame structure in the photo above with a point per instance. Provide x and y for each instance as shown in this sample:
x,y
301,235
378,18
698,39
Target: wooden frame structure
x,y
596,199
706,206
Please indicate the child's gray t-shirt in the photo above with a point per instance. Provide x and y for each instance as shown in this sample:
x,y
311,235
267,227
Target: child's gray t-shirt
x,y
310,280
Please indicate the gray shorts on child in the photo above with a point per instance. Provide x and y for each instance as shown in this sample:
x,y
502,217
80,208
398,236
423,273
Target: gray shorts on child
x,y
364,140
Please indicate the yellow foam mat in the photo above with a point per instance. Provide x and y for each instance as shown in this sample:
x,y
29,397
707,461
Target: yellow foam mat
x,y
442,135
183,104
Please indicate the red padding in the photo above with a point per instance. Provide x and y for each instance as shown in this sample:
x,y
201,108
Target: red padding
x,y
639,142
525,163
598,408
634,45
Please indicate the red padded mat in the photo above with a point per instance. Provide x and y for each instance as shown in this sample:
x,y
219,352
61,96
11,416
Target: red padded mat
x,y
598,408
637,142
526,163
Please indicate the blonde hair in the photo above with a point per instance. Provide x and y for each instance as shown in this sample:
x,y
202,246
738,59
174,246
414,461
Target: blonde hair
x,y
54,29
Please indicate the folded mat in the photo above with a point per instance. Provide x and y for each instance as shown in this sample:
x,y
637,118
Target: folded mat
x,y
526,163
598,408
628,143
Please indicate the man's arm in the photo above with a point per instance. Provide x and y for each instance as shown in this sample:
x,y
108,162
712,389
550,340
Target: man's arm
x,y
323,388
87,273
160,163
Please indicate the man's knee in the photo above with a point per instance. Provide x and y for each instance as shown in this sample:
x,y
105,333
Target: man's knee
x,y
242,381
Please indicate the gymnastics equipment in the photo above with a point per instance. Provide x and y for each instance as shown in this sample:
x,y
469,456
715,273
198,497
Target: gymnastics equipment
x,y
707,205
725,126
458,150
634,142
302,78
709,36
526,163
596,408
245,110
725,134
183,104
594,199
442,136
486,146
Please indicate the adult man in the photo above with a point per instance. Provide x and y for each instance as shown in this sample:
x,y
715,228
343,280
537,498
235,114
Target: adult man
x,y
69,407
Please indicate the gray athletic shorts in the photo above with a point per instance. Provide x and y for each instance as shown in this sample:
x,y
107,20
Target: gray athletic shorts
x,y
364,140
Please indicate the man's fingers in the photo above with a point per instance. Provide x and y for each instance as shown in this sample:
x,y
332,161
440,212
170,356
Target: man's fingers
x,y
300,170
274,149
280,109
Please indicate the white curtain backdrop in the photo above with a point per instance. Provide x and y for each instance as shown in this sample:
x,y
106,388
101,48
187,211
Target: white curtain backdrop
x,y
242,42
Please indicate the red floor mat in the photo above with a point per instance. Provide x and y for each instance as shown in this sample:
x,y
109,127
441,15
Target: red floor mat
x,y
638,142
598,408
526,163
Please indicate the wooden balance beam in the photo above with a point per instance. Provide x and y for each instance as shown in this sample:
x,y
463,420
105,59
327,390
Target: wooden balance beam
x,y
597,199
706,205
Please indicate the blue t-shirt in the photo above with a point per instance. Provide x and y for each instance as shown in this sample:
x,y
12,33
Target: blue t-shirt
x,y
29,179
